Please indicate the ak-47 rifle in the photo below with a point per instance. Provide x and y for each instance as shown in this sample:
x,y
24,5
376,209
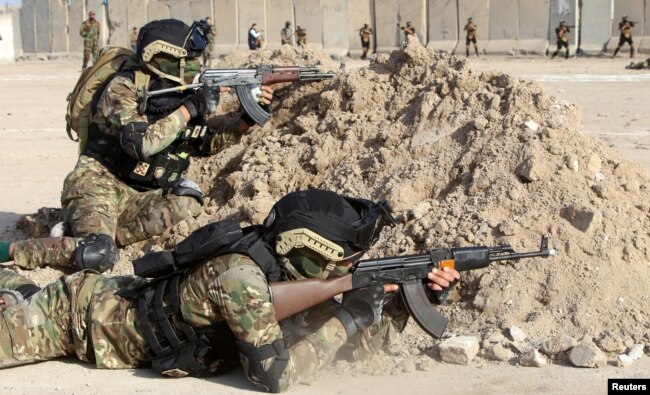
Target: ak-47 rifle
x,y
246,83
409,271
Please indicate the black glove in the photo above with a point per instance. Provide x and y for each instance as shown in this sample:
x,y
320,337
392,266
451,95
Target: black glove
x,y
201,103
185,187
361,308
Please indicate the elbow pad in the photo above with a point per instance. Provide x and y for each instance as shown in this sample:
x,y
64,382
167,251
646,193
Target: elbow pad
x,y
268,380
131,138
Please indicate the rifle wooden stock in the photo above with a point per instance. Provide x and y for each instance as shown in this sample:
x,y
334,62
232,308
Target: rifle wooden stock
x,y
292,297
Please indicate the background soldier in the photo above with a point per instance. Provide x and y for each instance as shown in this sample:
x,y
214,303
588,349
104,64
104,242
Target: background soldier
x,y
408,29
471,36
625,27
128,184
364,33
133,39
227,317
562,34
286,35
301,35
90,32
210,37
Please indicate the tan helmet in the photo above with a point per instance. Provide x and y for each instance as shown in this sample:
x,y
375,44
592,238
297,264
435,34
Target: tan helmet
x,y
316,229
164,46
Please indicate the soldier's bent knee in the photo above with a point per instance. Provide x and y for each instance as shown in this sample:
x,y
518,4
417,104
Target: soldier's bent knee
x,y
96,252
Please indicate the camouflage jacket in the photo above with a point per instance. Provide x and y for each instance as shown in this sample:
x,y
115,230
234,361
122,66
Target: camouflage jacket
x,y
84,315
89,30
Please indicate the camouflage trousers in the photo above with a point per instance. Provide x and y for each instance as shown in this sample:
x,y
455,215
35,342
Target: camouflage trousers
x,y
95,201
77,315
91,48
12,280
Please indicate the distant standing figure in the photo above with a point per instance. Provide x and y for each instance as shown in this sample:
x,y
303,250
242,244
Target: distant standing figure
x,y
134,39
562,34
254,36
470,36
301,35
408,29
90,32
364,33
625,27
209,39
286,35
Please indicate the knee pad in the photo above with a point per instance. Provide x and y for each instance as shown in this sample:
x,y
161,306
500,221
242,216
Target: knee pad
x,y
267,380
185,187
96,252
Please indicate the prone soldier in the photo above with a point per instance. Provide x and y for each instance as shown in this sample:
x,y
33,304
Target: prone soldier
x,y
223,308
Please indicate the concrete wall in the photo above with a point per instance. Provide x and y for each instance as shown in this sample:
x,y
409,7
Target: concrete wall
x,y
226,23
504,26
118,23
7,50
76,15
534,18
278,13
443,25
59,19
596,25
336,41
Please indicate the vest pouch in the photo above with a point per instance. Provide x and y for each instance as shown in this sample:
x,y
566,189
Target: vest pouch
x,y
154,264
206,242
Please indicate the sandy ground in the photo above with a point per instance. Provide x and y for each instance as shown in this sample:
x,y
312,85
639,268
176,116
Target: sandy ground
x,y
36,156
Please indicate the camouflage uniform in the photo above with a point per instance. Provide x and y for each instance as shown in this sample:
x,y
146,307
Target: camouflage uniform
x,y
209,50
96,201
89,30
81,315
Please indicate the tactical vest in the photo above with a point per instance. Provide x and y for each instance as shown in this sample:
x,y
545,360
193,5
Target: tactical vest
x,y
154,172
179,349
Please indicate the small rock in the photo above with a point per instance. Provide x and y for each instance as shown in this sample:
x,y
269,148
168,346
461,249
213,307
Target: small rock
x,y
594,164
532,125
425,364
499,353
516,334
408,366
624,361
586,355
496,337
532,169
636,351
459,350
532,358
557,345
582,218
611,343
573,164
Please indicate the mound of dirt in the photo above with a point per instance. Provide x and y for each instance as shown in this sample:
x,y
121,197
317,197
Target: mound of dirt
x,y
464,159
